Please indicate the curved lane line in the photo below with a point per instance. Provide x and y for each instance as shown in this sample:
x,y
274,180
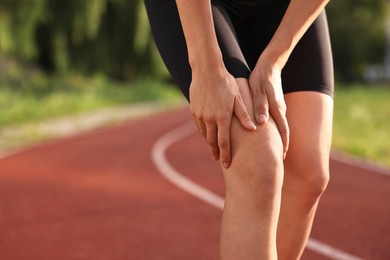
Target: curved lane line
x,y
165,168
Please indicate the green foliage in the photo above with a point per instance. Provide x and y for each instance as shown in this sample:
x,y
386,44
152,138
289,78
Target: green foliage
x,y
112,37
89,36
358,35
361,121
18,20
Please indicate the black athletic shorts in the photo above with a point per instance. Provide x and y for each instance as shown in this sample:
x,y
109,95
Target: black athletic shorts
x,y
244,28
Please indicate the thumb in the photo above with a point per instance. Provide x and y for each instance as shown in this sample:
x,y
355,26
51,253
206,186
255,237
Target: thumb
x,y
242,114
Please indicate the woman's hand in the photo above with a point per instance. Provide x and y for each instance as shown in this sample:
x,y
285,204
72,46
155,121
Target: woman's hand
x,y
267,94
214,98
214,93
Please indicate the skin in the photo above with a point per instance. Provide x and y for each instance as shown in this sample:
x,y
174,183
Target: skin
x,y
306,168
253,189
261,217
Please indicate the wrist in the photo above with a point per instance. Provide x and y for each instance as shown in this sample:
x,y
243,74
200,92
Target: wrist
x,y
277,52
272,60
206,59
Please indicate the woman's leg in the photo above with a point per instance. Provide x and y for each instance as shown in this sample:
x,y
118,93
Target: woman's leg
x,y
254,179
253,190
306,168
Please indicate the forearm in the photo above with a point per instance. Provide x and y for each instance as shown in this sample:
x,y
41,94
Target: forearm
x,y
198,26
299,16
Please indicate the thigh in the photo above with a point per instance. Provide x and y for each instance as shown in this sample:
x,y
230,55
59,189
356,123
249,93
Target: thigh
x,y
169,38
309,115
170,41
310,65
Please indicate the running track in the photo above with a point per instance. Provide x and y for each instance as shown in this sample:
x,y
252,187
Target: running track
x,y
105,195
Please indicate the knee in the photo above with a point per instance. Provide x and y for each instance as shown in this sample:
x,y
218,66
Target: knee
x,y
318,182
309,172
255,179
255,175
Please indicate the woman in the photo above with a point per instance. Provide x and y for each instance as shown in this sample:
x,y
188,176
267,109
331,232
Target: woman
x,y
259,76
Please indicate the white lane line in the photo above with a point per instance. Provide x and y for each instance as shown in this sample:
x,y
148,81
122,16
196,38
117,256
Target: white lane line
x,y
165,168
331,252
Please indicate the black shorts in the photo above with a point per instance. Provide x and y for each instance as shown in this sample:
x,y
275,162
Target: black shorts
x,y
244,28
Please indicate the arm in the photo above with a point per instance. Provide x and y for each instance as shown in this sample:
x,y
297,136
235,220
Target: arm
x,y
299,16
198,26
265,81
214,93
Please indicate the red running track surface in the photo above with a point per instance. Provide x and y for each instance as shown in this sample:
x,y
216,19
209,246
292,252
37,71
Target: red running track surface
x,y
99,196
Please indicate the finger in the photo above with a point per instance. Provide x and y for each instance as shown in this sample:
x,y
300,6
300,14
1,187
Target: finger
x,y
242,114
196,123
202,128
279,116
212,140
261,106
197,120
224,124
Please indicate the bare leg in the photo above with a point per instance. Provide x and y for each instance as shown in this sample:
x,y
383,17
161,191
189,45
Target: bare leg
x,y
253,190
306,169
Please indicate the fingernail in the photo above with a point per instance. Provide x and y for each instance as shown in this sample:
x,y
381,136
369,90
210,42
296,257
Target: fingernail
x,y
225,165
252,125
262,119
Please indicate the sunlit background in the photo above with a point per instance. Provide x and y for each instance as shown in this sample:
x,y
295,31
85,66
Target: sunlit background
x,y
71,57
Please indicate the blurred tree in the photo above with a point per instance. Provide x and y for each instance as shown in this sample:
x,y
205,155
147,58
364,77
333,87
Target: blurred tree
x,y
113,37
357,31
90,36
18,21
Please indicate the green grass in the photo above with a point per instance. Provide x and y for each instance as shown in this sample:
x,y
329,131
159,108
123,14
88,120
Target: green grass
x,y
362,122
43,97
361,117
